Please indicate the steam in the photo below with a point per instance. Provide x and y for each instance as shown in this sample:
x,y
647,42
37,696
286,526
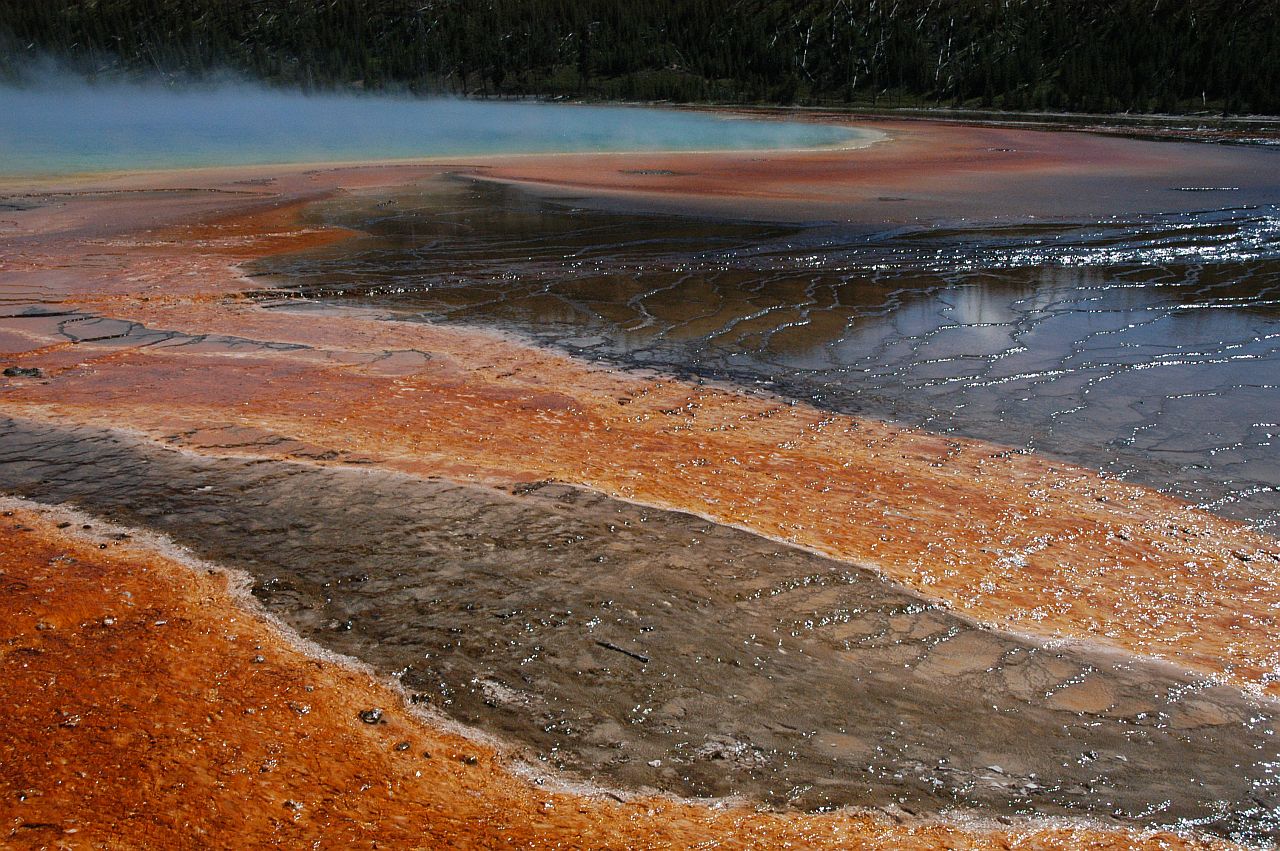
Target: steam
x,y
61,124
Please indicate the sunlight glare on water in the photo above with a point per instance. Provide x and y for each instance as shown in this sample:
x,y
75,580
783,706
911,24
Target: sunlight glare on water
x,y
1145,346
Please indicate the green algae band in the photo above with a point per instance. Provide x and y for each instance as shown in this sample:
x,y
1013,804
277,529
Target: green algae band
x,y
79,128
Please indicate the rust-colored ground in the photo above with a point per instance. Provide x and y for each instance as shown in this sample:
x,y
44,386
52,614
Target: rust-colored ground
x,y
920,170
936,157
1014,540
146,709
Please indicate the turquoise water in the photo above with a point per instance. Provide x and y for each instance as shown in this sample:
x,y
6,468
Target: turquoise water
x,y
90,128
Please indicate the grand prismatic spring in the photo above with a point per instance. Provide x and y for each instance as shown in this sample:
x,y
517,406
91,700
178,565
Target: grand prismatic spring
x,y
440,474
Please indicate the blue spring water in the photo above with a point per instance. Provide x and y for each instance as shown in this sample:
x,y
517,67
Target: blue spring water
x,y
60,128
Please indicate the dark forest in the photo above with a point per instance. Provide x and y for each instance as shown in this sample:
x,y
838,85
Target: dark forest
x,y
1072,55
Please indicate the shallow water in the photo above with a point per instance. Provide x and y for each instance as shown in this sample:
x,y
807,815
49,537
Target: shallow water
x,y
66,128
1147,346
653,649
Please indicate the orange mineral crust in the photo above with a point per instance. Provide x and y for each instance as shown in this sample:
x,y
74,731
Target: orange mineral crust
x,y
913,171
1016,540
162,346
149,708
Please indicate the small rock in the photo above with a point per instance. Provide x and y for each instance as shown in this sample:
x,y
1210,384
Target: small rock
x,y
732,750
655,763
23,372
469,759
258,660
44,626
371,716
402,746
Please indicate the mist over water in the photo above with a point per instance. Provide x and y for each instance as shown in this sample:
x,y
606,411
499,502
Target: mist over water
x,y
65,127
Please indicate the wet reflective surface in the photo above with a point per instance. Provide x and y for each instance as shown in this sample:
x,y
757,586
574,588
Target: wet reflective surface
x,y
656,649
1145,346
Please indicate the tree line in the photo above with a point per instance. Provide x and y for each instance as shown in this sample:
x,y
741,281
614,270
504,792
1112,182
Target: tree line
x,y
1078,55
